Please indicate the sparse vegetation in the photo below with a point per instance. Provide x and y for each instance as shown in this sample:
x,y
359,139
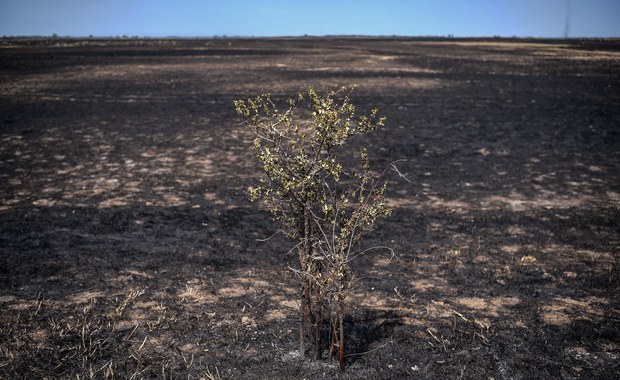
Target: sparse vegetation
x,y
88,344
323,205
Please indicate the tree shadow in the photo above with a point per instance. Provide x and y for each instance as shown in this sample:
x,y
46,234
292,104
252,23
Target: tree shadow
x,y
373,330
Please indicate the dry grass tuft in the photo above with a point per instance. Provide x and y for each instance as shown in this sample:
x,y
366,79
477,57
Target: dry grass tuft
x,y
101,340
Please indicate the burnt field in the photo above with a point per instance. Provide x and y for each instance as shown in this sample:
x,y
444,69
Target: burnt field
x,y
129,248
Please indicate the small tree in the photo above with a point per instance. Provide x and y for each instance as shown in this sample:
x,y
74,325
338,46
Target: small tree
x,y
323,206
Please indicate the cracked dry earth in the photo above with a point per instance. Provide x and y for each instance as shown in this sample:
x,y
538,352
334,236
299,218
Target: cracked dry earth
x,y
129,249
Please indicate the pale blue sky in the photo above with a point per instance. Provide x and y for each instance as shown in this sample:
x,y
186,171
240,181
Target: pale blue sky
x,y
192,18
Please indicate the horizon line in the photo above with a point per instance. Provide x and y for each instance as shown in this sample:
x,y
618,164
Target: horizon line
x,y
224,36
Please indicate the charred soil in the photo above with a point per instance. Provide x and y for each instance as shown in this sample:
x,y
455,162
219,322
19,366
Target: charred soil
x,y
128,246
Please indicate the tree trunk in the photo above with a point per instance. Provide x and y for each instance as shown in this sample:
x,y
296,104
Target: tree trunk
x,y
311,305
302,323
341,328
305,257
318,322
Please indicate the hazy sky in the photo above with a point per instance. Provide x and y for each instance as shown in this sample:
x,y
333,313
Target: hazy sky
x,y
536,18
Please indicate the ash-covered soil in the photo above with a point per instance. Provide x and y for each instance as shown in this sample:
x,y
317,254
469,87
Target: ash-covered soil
x,y
129,248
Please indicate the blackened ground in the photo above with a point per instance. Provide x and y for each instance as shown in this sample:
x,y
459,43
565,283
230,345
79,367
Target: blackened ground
x,y
128,246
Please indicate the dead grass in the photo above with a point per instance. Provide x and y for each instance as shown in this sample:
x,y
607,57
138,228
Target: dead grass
x,y
101,341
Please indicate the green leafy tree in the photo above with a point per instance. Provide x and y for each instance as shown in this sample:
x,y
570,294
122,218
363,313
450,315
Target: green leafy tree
x,y
325,207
